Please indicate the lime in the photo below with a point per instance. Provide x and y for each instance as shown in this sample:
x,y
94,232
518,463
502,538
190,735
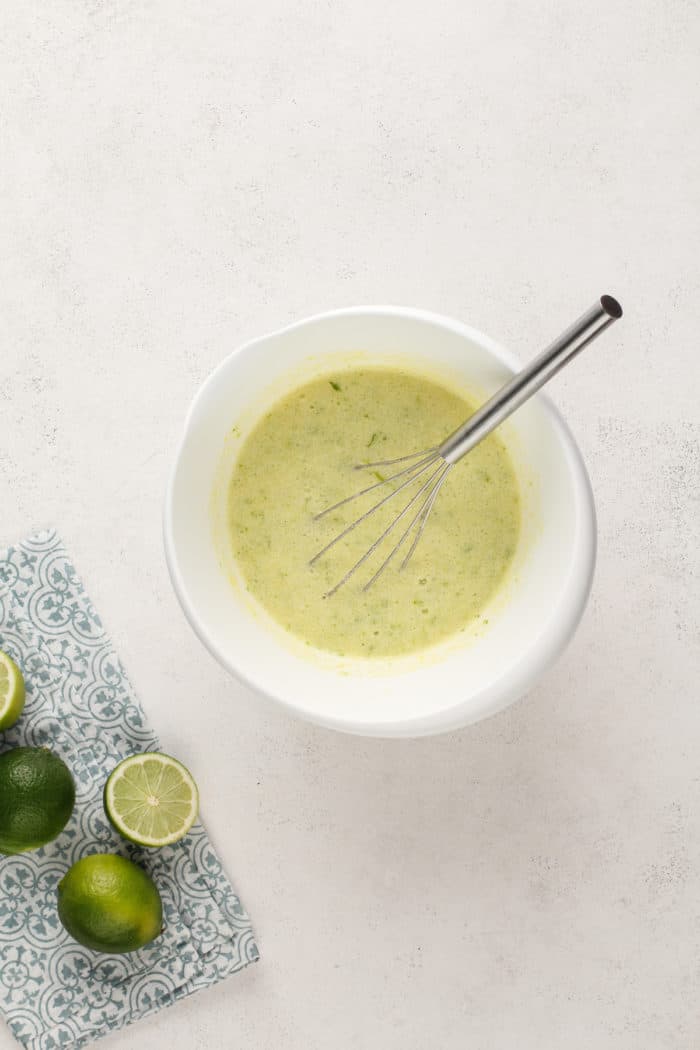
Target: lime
x,y
37,794
151,799
11,691
110,904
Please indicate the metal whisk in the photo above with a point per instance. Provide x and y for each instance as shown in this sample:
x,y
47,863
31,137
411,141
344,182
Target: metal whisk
x,y
432,466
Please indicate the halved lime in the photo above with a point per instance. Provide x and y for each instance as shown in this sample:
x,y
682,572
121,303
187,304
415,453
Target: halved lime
x,y
151,799
11,691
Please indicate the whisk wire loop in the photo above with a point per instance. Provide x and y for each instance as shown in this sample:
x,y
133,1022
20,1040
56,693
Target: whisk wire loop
x,y
420,518
363,517
429,457
392,525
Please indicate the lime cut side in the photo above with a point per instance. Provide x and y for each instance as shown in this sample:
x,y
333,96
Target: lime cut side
x,y
151,799
11,691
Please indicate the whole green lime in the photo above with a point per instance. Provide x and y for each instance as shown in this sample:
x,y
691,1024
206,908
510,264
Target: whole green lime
x,y
110,904
37,795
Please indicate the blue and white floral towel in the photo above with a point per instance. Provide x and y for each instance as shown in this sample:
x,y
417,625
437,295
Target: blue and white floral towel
x,y
53,992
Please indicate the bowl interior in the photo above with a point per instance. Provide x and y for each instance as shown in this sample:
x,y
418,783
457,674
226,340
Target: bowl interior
x,y
460,681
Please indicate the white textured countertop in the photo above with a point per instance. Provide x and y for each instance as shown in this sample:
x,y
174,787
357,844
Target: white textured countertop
x,y
179,177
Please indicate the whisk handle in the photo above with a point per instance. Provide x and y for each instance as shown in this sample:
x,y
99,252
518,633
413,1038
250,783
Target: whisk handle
x,y
526,382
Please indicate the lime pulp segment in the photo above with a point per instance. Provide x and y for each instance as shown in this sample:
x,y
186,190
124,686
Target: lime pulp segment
x,y
151,799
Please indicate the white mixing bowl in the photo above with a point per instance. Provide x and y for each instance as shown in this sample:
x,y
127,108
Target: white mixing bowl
x,y
466,678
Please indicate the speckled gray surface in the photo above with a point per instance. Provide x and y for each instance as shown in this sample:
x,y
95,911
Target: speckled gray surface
x,y
179,177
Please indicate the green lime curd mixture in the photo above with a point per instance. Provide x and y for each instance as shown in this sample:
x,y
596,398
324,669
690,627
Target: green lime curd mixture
x,y
298,460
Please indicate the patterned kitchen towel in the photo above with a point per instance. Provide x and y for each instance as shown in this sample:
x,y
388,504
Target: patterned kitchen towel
x,y
53,992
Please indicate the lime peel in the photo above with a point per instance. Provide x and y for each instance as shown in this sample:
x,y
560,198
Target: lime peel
x,y
37,794
109,904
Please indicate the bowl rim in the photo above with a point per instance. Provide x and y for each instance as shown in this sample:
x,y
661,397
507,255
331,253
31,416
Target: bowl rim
x,y
556,632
